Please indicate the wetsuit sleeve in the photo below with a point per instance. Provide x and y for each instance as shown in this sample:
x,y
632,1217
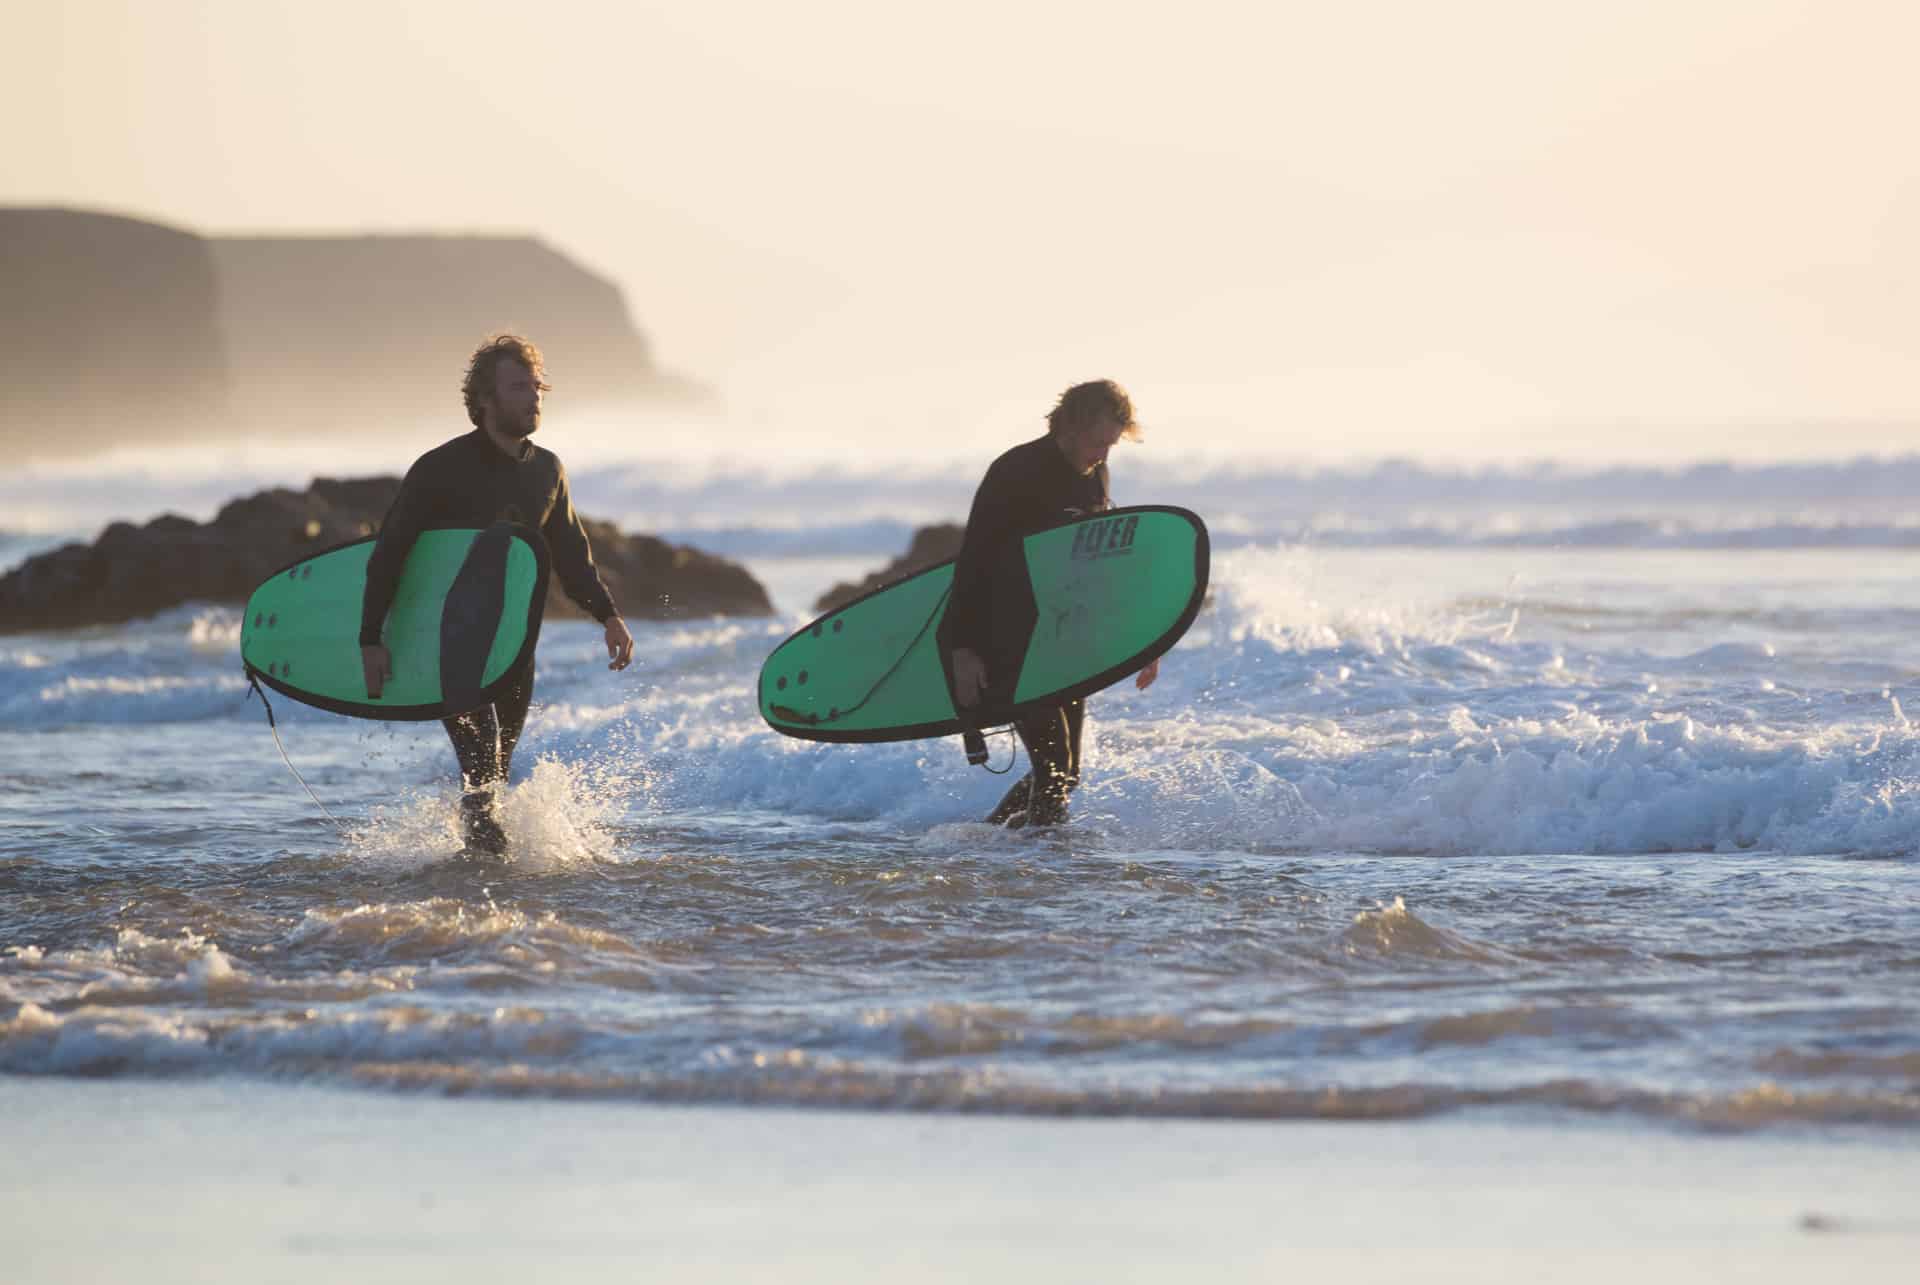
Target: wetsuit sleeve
x,y
404,522
573,557
989,526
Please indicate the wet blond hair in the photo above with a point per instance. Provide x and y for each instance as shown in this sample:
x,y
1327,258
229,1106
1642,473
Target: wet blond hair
x,y
1089,403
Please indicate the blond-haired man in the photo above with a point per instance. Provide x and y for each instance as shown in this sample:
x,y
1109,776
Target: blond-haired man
x,y
1052,479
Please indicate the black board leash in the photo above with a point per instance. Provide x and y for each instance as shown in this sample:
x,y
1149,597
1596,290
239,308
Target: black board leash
x,y
975,742
972,739
835,715
253,681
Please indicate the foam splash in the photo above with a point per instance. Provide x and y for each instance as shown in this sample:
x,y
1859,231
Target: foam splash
x,y
416,830
563,814
1205,799
217,628
191,958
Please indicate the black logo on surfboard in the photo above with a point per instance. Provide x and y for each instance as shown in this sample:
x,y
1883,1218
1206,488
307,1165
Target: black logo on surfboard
x,y
1105,538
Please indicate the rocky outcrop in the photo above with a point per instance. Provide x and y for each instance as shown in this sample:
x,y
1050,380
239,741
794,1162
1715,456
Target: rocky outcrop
x,y
654,580
133,571
930,544
119,332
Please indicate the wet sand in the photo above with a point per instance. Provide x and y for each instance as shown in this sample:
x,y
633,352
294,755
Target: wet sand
x,y
215,1180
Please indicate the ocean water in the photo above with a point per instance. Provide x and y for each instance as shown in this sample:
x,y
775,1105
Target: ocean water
x,y
1407,826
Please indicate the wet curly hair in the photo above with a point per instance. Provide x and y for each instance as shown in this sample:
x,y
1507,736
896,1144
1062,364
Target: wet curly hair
x,y
477,387
1089,403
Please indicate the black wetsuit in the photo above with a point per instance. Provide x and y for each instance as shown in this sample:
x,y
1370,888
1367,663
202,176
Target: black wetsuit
x,y
1028,488
468,482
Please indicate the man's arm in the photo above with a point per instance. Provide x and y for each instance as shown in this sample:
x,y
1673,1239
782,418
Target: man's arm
x,y
573,557
580,580
969,608
967,628
405,519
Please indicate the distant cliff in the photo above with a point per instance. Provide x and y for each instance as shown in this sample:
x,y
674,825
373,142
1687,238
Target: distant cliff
x,y
347,327
118,331
109,332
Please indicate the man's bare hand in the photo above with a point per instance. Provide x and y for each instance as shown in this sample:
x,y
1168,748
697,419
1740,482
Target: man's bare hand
x,y
1144,679
377,662
969,677
619,644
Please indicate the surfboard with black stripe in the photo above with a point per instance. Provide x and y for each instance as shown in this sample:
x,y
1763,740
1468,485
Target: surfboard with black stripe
x,y
465,616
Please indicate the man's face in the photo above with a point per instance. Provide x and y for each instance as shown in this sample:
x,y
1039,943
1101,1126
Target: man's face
x,y
516,399
1086,447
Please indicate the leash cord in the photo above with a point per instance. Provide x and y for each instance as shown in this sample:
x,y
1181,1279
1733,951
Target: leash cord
x,y
273,726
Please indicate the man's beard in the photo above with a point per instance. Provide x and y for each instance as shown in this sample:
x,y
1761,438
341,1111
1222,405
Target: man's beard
x,y
521,428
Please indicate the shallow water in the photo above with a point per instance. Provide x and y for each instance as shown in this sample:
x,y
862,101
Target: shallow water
x,y
1398,832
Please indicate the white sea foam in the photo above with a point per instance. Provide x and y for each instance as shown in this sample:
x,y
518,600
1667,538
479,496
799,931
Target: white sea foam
x,y
217,627
1322,700
1348,734
94,1040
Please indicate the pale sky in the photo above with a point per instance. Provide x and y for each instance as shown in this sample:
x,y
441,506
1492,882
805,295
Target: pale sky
x,y
1475,231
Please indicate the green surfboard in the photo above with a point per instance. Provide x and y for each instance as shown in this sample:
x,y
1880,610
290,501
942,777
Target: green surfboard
x,y
1104,595
465,616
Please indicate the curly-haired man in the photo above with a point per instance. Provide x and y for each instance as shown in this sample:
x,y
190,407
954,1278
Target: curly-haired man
x,y
490,474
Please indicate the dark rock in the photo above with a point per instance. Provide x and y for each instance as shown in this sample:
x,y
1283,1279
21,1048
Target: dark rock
x,y
326,513
360,494
131,571
930,545
651,579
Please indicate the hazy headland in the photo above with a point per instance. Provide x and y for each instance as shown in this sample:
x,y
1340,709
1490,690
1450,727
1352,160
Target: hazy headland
x,y
122,332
